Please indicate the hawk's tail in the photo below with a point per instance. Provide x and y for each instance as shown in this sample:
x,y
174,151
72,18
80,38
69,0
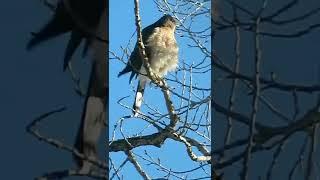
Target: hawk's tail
x,y
139,97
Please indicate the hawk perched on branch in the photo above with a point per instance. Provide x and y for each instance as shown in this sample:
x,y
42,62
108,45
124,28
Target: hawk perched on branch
x,y
162,52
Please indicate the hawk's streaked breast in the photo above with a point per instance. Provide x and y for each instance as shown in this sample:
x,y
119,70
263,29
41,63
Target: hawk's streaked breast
x,y
162,51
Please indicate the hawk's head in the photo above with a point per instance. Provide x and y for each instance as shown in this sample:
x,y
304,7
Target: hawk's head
x,y
167,21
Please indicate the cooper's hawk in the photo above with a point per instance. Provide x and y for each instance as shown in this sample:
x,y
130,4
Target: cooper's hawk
x,y
162,52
